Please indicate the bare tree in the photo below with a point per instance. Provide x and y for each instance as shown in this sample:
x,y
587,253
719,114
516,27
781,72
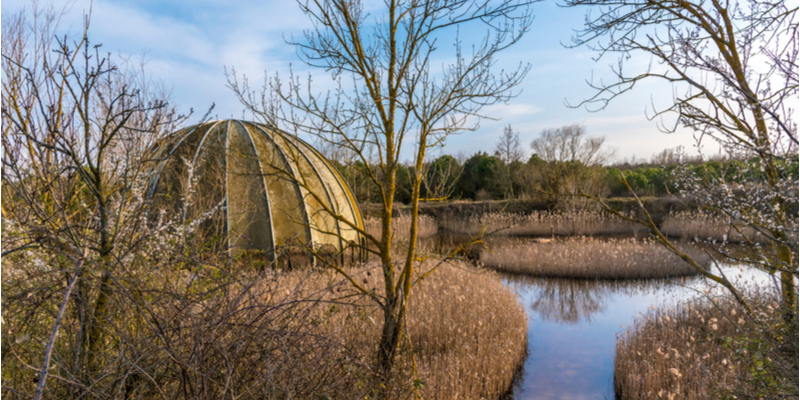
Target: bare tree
x,y
393,98
733,67
439,178
508,147
571,162
75,129
570,143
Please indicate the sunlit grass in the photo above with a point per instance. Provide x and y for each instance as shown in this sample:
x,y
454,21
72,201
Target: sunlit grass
x,y
467,331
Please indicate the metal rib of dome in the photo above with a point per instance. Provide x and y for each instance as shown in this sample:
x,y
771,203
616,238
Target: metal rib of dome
x,y
254,186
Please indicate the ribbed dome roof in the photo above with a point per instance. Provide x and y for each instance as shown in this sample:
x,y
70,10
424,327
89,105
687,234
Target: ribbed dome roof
x,y
264,188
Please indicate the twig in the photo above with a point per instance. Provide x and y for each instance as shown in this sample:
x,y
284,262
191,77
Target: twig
x,y
49,350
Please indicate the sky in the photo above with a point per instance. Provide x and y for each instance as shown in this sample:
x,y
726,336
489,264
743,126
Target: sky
x,y
189,45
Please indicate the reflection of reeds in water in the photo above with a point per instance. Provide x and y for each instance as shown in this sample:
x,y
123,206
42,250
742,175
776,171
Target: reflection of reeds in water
x,y
701,350
592,258
573,301
544,223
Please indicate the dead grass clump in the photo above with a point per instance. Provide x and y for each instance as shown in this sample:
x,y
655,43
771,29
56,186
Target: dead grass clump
x,y
544,223
583,257
705,350
470,334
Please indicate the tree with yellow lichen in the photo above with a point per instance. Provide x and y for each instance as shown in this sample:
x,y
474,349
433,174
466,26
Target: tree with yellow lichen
x,y
393,98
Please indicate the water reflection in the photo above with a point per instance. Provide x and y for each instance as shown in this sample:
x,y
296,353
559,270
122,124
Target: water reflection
x,y
573,301
573,326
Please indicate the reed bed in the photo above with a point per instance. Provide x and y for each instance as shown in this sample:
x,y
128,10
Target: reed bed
x,y
401,224
585,257
715,228
271,334
468,332
544,223
708,227
704,350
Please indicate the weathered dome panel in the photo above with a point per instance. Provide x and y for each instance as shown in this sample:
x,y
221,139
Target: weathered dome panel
x,y
253,186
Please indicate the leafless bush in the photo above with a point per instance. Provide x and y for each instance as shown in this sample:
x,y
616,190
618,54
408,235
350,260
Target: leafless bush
x,y
703,350
591,258
219,328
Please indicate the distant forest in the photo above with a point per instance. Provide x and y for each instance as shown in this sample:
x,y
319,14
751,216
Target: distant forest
x,y
564,160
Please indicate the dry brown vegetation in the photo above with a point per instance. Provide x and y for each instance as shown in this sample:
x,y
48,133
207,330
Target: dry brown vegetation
x,y
544,223
708,227
214,332
705,350
582,257
401,224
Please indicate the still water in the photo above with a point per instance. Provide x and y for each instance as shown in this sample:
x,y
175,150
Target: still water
x,y
573,326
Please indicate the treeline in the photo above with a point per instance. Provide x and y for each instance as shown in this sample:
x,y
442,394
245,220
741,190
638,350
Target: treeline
x,y
489,177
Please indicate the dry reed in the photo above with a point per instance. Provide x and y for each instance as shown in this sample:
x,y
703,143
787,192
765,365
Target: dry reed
x,y
583,257
401,224
544,223
468,332
217,333
704,350
708,227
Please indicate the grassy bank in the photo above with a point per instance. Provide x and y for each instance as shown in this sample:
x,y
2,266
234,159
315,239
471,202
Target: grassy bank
x,y
581,257
705,350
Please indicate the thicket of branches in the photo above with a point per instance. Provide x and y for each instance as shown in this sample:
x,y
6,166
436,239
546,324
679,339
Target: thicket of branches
x,y
104,297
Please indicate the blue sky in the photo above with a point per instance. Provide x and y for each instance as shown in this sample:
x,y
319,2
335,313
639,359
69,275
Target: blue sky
x,y
188,45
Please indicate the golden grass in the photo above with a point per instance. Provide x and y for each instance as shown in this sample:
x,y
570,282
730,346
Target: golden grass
x,y
544,223
471,334
701,350
468,332
582,257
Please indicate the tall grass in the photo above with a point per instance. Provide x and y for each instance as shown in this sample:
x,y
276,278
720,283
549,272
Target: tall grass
x,y
705,350
543,223
467,331
582,257
227,331
470,332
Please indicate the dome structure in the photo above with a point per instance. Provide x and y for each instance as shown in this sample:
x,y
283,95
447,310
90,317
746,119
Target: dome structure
x,y
255,188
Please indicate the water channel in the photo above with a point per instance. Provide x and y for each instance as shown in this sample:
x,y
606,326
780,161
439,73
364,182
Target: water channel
x,y
573,326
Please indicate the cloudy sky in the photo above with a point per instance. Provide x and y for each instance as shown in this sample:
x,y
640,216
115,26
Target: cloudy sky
x,y
188,45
